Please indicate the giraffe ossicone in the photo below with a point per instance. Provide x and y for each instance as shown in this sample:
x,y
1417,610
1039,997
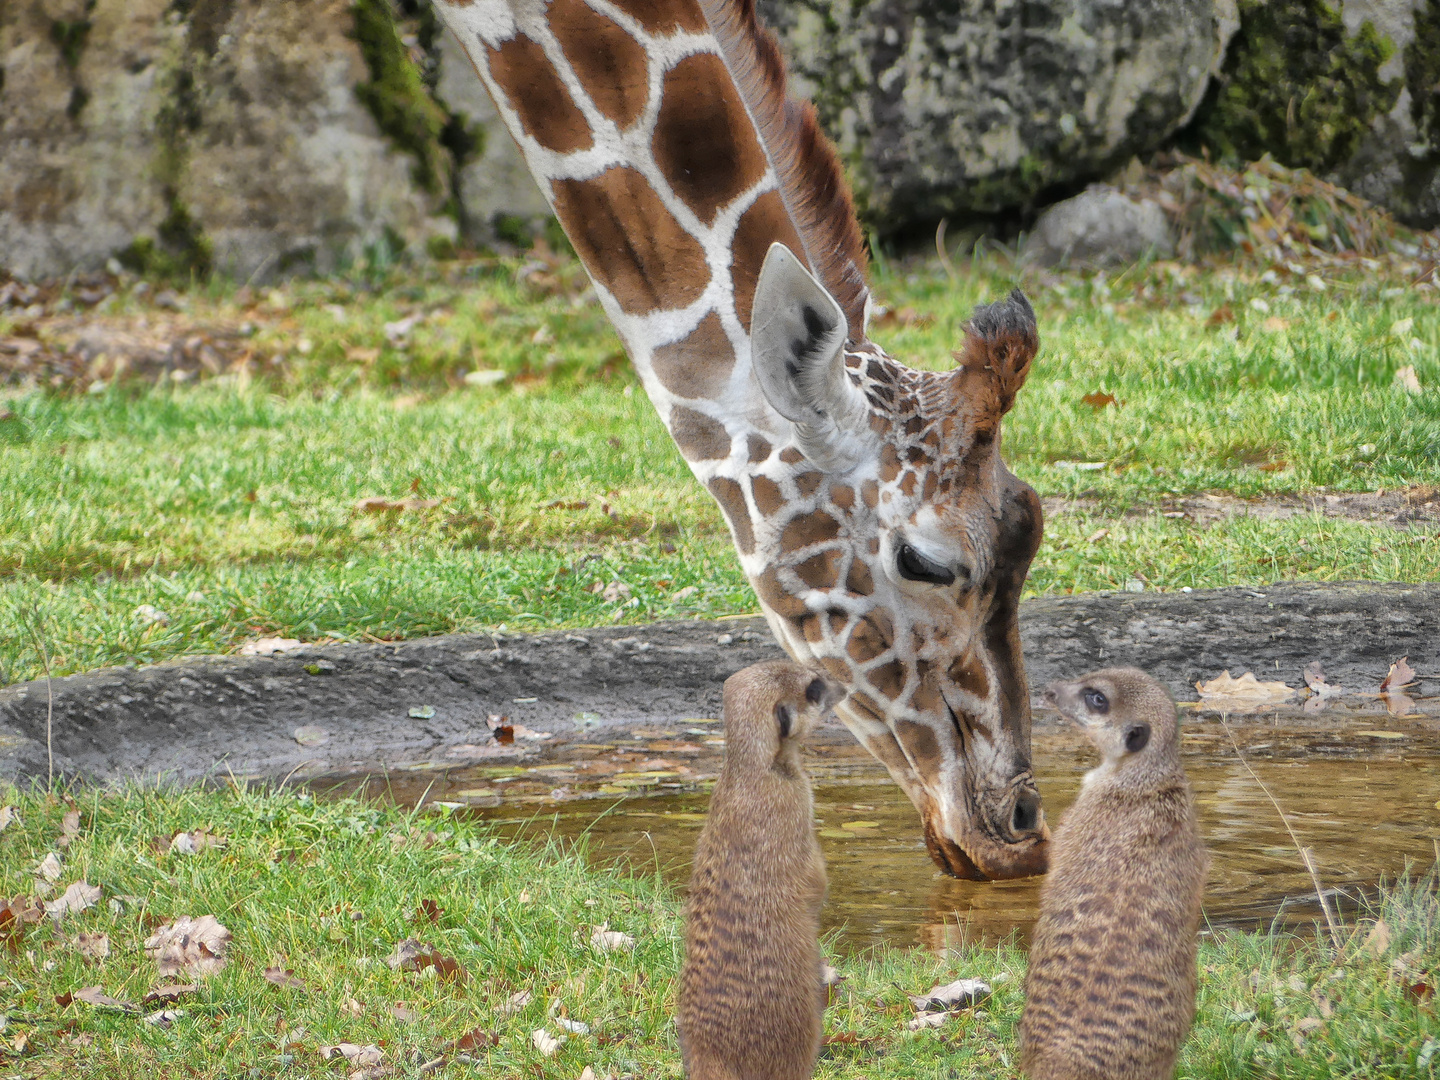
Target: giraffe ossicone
x,y
870,508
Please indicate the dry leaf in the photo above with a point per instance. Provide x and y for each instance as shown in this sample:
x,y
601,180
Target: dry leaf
x,y
188,843
1245,694
283,977
164,1017
574,1027
546,1043
474,1039
355,1054
311,735
79,896
428,910
515,1002
1400,675
403,958
49,867
1377,942
269,646
93,946
615,591
402,1012
959,994
1097,536
606,940
194,947
170,992
1408,380
414,955
926,1020
15,915
1097,400
1399,704
351,1007
8,816
69,827
95,995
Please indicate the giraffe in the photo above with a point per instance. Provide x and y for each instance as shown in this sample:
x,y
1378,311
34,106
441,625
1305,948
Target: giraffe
x,y
868,502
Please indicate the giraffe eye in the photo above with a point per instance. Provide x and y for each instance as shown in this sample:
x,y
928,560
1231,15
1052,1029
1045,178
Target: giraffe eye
x,y
916,567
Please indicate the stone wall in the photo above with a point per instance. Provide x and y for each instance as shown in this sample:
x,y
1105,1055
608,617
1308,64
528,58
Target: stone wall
x,y
253,137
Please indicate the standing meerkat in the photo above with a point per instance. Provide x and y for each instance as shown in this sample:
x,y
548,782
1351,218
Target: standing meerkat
x,y
751,995
1110,992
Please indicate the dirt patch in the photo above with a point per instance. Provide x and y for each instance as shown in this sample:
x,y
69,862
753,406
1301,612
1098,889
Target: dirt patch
x,y
1409,506
419,703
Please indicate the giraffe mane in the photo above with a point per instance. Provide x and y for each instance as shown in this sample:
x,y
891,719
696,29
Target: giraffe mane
x,y
811,181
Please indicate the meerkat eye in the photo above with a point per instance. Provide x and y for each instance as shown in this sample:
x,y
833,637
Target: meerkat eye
x,y
782,717
815,692
1136,737
916,567
1095,701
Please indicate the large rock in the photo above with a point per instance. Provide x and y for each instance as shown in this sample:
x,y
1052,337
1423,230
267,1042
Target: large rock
x,y
1099,227
252,136
967,109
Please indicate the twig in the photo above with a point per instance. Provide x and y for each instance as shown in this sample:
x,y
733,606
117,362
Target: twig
x,y
49,701
1305,855
940,247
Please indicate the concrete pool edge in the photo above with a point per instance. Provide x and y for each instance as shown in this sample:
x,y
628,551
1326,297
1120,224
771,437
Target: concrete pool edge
x,y
200,717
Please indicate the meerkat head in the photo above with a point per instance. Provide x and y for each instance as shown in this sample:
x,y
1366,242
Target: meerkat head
x,y
771,707
1129,717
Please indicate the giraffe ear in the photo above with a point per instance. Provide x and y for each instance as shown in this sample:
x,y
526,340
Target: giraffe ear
x,y
797,341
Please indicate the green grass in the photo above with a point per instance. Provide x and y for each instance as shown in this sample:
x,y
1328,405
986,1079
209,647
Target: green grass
x,y
326,889
231,505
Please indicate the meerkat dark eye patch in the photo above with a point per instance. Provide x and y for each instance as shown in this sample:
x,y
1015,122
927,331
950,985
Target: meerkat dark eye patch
x,y
1136,737
783,718
815,692
1095,701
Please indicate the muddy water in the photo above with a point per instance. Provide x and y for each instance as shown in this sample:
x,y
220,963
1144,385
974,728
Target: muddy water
x,y
1360,788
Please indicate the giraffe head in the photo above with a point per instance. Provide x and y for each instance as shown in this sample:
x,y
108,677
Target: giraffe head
x,y
893,544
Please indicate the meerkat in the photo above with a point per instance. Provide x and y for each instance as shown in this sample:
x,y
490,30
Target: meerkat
x,y
1110,994
751,994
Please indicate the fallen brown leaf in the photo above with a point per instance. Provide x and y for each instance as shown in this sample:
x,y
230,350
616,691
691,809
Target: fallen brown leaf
x,y
284,978
1098,399
402,1012
414,955
1221,315
75,899
1245,694
69,827
169,992
603,939
428,910
546,1043
515,1002
95,995
1377,942
93,946
49,868
353,1053
163,1017
8,816
194,947
474,1039
1400,675
16,914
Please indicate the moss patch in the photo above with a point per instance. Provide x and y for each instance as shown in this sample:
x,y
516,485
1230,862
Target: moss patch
x,y
180,250
69,35
1297,86
398,97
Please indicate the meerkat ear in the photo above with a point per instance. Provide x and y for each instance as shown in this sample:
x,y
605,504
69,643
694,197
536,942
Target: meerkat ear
x,y
1137,736
783,718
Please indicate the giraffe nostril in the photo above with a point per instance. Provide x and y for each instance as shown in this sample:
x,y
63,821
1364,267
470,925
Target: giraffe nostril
x,y
1026,814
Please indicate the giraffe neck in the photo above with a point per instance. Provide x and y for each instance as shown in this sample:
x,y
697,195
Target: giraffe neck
x,y
672,176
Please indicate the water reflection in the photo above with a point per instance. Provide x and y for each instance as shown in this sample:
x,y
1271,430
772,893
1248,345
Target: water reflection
x,y
1366,803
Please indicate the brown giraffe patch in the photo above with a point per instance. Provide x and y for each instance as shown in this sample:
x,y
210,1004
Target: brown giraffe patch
x,y
870,492
700,437
858,580
813,629
842,495
759,449
837,668
535,92
868,640
807,529
765,223
923,748
697,366
889,678
732,500
932,484
704,140
907,485
792,455
659,266
880,425
806,483
889,463
776,597
609,63
665,16
926,697
968,673
864,703
768,496
820,571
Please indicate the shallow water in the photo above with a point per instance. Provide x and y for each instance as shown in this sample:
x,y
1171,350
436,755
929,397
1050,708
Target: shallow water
x,y
1359,788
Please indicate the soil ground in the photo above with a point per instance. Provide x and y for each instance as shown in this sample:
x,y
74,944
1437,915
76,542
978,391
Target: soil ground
x,y
396,706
